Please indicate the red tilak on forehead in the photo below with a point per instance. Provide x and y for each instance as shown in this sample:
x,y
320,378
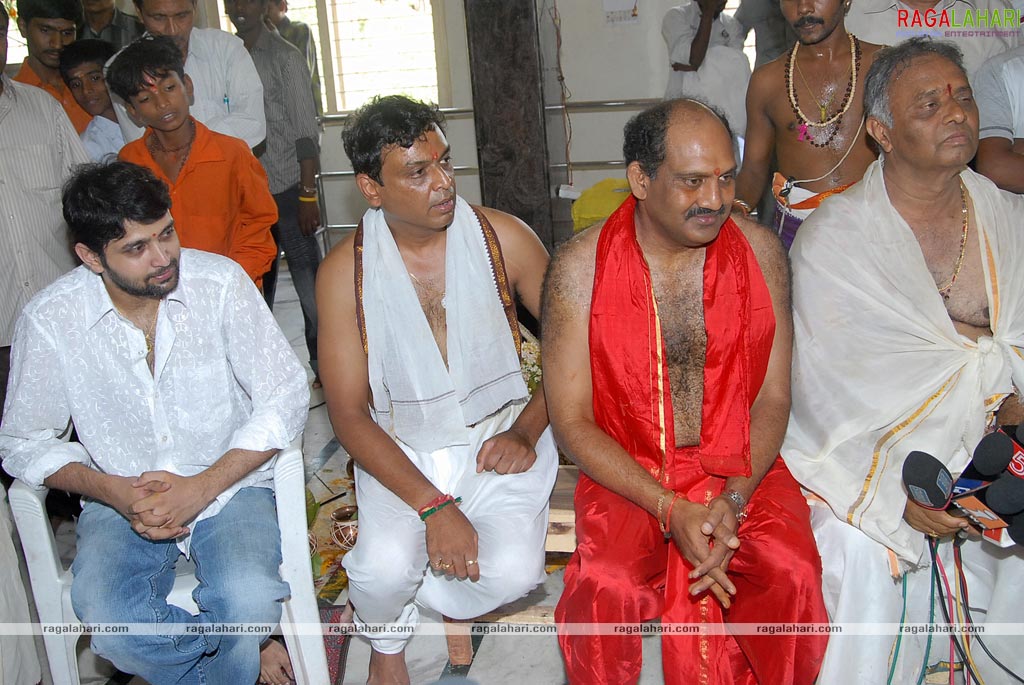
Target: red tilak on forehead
x,y
949,89
718,172
433,156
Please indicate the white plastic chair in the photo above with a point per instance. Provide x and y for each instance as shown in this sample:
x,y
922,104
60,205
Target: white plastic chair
x,y
51,583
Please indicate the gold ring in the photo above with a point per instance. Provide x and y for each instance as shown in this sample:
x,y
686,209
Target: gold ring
x,y
470,562
446,566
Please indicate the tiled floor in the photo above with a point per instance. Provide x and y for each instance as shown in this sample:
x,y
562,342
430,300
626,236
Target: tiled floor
x,y
500,659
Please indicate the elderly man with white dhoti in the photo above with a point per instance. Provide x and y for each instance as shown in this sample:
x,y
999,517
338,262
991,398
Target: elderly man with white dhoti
x,y
908,295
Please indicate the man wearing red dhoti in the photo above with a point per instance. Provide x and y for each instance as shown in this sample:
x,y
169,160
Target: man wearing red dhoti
x,y
684,510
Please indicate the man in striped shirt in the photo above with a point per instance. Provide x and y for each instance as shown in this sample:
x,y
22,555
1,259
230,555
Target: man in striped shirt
x,y
291,156
38,148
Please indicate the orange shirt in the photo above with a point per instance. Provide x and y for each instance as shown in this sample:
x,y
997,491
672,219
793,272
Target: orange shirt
x,y
78,116
221,201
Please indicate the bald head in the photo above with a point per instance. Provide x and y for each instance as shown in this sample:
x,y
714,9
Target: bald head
x,y
644,138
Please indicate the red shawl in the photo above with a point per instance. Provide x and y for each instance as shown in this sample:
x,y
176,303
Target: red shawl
x,y
632,397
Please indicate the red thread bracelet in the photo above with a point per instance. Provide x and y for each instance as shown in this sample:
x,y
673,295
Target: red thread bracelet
x,y
668,516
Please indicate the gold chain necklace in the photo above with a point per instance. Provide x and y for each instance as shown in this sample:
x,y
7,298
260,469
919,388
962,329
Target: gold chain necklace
x,y
822,106
946,289
148,332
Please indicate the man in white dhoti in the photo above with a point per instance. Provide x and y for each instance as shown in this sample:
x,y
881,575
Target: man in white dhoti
x,y
419,361
705,54
908,296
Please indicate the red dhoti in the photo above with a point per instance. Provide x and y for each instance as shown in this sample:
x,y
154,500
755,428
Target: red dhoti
x,y
623,570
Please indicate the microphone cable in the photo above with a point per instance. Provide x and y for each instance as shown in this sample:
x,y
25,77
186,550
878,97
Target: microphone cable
x,y
958,560
931,619
895,656
954,644
962,608
964,650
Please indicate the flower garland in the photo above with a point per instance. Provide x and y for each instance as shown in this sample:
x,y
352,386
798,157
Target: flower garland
x,y
12,11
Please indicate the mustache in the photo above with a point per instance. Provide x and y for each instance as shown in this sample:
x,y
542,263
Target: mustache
x,y
172,267
808,21
703,211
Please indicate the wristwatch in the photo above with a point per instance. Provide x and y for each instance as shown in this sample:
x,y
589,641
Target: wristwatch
x,y
741,504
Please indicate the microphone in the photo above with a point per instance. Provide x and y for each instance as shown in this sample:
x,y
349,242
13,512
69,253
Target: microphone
x,y
1016,530
993,454
1001,458
929,483
1006,494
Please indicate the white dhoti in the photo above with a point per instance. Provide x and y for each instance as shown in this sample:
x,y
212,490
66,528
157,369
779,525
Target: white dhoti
x,y
388,570
879,370
859,588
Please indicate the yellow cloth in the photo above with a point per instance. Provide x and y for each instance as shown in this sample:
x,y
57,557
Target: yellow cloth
x,y
597,202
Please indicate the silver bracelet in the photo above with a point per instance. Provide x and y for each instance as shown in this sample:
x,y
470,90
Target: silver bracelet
x,y
741,504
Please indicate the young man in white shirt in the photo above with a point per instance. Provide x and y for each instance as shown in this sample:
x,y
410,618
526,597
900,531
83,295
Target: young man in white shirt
x,y
181,387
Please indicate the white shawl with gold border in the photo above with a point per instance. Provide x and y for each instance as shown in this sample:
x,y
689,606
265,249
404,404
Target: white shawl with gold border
x,y
878,369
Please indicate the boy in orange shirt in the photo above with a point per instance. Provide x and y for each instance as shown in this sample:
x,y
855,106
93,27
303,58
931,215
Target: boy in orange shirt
x,y
220,197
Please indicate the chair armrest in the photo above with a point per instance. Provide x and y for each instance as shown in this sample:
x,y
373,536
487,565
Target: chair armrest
x,y
29,508
289,491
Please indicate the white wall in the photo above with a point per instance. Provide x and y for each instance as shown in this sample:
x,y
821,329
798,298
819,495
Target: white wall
x,y
600,61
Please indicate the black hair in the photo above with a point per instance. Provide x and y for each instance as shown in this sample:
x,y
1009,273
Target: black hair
x,y
138,4
643,138
890,63
70,10
99,198
152,56
384,121
86,51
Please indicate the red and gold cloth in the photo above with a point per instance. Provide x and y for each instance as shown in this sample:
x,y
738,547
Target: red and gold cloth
x,y
624,571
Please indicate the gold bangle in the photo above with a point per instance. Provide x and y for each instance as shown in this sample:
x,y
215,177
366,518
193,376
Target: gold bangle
x,y
303,198
746,208
661,504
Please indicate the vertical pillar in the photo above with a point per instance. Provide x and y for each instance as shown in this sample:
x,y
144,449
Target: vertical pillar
x,y
508,107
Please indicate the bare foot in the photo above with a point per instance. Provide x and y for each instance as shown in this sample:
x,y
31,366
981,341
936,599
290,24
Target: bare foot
x,y
388,669
275,666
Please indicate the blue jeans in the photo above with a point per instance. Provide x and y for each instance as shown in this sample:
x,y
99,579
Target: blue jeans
x,y
120,577
303,254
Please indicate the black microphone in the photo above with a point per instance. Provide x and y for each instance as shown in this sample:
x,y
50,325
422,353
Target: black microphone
x,y
929,483
993,454
1016,530
1006,494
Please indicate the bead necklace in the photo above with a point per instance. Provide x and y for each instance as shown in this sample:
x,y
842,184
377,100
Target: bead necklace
x,y
836,119
946,289
155,145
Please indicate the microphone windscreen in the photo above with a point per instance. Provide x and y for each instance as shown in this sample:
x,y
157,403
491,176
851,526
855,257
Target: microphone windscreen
x,y
993,454
1006,495
1016,530
929,483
